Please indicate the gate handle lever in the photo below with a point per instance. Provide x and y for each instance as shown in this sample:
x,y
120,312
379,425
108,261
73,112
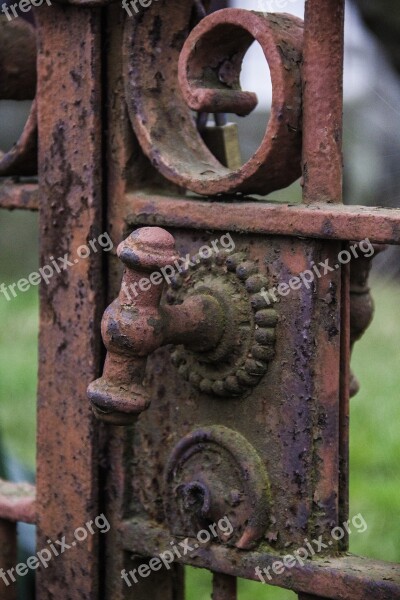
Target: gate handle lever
x,y
137,323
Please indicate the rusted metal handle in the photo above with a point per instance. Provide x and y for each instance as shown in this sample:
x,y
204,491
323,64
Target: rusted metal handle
x,y
135,325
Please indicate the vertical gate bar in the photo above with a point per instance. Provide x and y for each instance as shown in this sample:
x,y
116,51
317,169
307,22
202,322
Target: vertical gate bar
x,y
323,101
122,172
326,392
8,558
117,151
158,585
344,405
69,96
224,587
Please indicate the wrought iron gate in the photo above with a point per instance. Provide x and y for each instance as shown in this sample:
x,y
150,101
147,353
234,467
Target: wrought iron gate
x,y
248,422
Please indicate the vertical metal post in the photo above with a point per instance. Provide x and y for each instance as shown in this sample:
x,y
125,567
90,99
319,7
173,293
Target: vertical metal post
x,y
8,558
323,100
322,180
344,419
224,587
70,161
325,380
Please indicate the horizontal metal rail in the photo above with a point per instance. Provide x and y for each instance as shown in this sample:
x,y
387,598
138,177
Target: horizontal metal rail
x,y
17,502
17,505
23,196
347,577
324,221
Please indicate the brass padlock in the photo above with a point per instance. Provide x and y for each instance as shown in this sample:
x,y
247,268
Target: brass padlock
x,y
222,138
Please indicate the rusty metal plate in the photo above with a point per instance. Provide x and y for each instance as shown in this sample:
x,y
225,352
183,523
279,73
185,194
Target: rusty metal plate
x,y
290,418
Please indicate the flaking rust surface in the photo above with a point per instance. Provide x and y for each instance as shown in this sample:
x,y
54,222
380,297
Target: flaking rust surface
x,y
290,418
70,215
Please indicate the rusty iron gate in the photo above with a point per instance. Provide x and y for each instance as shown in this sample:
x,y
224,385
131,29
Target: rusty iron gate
x,y
216,403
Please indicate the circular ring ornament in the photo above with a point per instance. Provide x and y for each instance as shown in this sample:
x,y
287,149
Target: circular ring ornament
x,y
18,82
159,102
21,159
247,346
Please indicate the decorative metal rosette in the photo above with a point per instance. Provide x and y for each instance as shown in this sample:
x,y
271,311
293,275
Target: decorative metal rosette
x,y
247,345
212,473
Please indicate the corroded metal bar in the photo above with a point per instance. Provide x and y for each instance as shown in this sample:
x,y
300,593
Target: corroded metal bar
x,y
17,502
344,409
380,225
69,97
8,557
160,585
325,386
19,195
224,587
323,100
119,152
344,578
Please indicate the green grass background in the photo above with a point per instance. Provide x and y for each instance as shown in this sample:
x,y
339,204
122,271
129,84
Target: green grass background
x,y
375,418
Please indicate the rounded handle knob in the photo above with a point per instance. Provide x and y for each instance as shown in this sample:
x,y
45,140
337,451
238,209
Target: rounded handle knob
x,y
119,396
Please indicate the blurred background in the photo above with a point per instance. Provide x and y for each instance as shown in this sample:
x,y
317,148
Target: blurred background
x,y
372,176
